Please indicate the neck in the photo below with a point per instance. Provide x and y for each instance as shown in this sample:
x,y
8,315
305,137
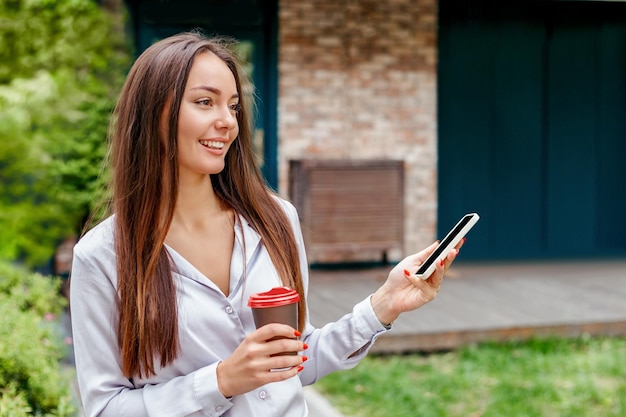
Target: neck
x,y
197,204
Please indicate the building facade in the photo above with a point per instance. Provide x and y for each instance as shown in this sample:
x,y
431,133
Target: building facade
x,y
512,109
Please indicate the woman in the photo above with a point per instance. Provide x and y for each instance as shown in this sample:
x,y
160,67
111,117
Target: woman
x,y
159,289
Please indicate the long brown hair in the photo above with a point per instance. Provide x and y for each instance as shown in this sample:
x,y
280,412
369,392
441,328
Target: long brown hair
x,y
145,187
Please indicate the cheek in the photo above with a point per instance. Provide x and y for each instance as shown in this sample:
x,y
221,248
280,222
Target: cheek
x,y
187,123
234,133
184,130
189,131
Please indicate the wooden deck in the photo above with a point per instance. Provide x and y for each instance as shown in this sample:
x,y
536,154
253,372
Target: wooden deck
x,y
488,302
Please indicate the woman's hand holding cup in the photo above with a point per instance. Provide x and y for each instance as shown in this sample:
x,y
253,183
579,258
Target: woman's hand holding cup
x,y
269,354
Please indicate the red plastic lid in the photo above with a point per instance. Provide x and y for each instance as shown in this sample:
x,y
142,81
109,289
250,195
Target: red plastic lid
x,y
275,297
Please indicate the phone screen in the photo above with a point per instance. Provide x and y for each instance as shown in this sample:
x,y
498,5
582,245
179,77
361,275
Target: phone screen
x,y
446,241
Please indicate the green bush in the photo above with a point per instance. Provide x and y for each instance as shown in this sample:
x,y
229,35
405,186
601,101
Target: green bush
x,y
30,291
13,402
32,381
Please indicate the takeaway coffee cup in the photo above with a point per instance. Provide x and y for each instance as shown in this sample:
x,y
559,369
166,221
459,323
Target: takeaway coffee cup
x,y
278,305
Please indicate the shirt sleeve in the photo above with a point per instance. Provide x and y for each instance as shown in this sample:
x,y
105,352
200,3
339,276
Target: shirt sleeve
x,y
342,344
339,345
104,390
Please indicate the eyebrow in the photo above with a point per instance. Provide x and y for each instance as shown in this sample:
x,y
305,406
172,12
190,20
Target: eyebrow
x,y
212,90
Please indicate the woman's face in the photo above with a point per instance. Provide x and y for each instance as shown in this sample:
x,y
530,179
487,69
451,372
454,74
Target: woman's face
x,y
207,121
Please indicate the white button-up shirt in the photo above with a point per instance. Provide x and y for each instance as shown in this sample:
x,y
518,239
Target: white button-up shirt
x,y
211,326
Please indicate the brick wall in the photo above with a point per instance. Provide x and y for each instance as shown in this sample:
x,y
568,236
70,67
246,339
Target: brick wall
x,y
357,79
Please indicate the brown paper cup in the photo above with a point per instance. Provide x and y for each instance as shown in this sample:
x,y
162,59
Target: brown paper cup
x,y
278,305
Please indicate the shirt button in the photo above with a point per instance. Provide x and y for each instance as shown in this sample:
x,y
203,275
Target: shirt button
x,y
219,408
229,310
262,395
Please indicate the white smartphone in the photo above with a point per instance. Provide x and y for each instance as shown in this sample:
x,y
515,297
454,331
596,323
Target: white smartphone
x,y
448,243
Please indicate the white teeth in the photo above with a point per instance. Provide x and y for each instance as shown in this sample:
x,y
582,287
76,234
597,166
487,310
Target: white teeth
x,y
212,144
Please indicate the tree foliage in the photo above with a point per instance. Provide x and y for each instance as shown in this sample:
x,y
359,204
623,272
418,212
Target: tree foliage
x,y
61,65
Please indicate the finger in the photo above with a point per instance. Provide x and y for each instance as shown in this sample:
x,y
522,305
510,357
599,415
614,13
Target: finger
x,y
421,256
437,277
428,290
284,361
272,330
461,242
280,374
278,361
418,282
450,258
282,346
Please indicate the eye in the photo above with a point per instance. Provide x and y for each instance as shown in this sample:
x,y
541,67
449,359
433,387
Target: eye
x,y
235,108
205,102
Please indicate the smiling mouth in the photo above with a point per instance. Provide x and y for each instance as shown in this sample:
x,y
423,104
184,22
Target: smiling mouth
x,y
212,144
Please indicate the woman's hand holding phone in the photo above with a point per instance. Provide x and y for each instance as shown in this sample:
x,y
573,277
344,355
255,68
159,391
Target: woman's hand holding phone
x,y
416,280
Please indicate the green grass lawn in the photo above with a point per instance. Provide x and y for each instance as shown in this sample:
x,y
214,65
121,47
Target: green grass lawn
x,y
543,378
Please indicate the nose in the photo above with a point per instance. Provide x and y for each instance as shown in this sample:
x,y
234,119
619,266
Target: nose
x,y
226,119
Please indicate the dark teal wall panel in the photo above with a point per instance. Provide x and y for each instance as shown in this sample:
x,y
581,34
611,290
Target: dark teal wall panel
x,y
532,126
516,174
571,137
494,146
611,149
468,123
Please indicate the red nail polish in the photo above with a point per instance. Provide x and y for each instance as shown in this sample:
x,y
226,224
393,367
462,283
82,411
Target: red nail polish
x,y
297,333
464,239
407,273
305,346
442,262
304,359
300,368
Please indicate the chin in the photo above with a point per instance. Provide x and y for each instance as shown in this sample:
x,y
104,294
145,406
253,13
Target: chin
x,y
215,170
